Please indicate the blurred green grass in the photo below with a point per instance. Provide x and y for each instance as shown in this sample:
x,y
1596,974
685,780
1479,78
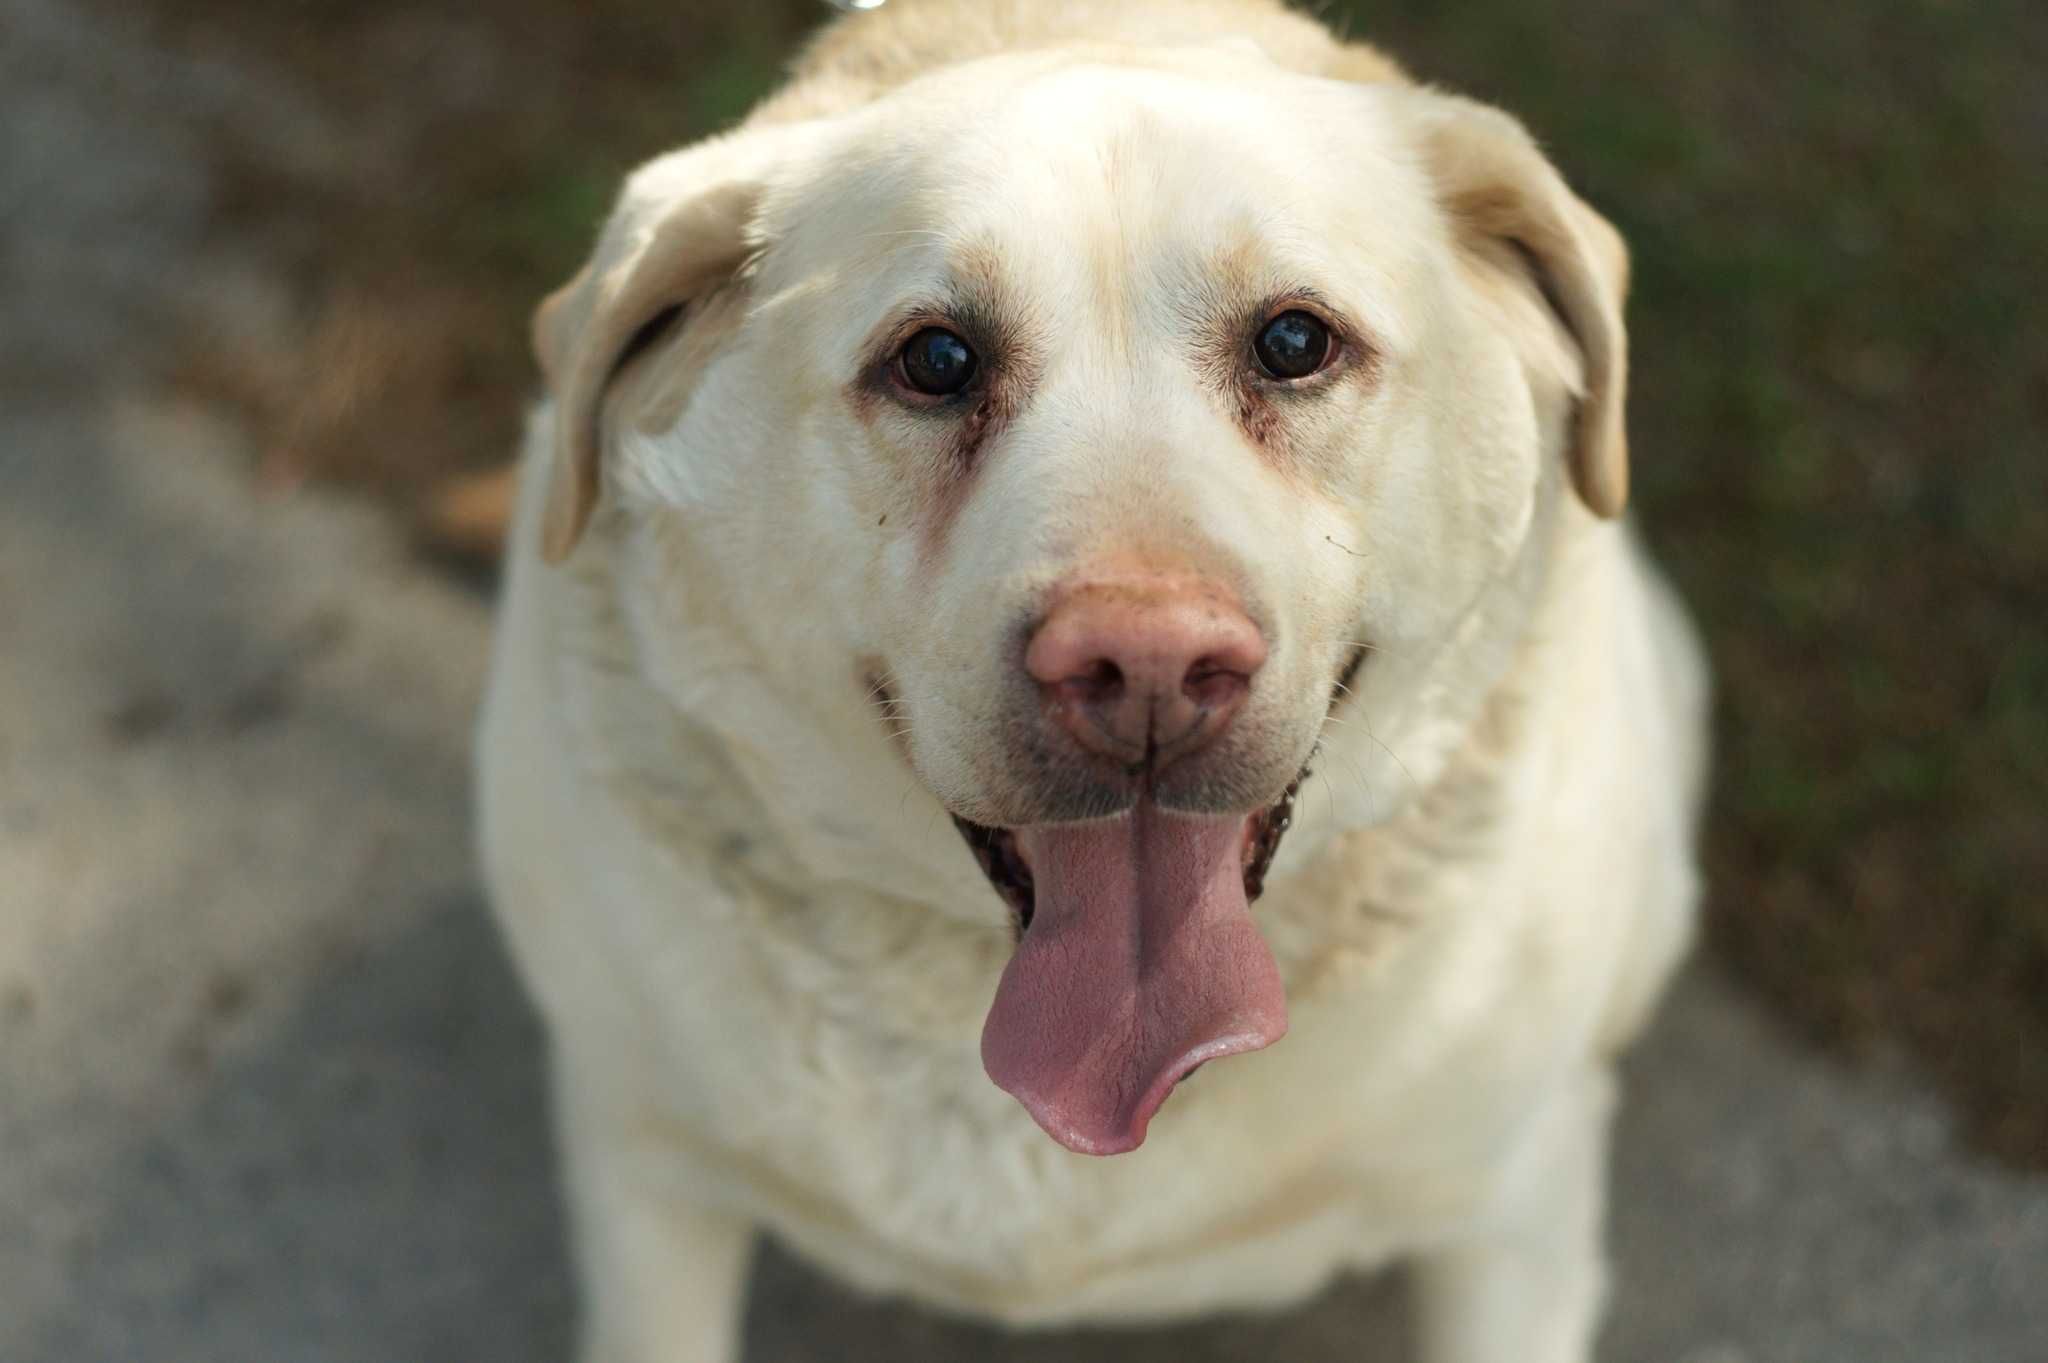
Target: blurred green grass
x,y
1839,422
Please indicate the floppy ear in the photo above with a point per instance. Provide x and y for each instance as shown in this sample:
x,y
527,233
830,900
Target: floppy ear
x,y
681,229
1498,189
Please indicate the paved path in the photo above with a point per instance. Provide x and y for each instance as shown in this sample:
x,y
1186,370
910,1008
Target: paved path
x,y
267,1090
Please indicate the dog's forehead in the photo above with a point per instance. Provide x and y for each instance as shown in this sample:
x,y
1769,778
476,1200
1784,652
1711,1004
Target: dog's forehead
x,y
1049,173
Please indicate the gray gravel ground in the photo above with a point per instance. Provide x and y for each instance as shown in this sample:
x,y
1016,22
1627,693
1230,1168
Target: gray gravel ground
x,y
267,1088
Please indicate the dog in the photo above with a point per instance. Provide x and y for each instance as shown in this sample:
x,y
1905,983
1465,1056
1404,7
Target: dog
x,y
1082,540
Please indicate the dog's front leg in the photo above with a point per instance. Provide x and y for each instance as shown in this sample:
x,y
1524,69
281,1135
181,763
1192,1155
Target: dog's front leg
x,y
1527,1285
663,1276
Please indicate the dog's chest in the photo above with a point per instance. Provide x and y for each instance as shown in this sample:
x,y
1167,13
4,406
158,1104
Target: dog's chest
x,y
861,1128
841,1100
897,1166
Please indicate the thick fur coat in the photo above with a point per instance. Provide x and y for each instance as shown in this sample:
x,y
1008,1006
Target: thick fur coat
x,y
759,649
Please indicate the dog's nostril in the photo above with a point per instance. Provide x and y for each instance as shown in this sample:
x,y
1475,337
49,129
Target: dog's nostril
x,y
1100,684
1105,680
1213,681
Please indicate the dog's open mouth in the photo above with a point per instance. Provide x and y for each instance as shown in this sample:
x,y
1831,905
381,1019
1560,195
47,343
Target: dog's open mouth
x,y
1137,960
1004,865
1008,871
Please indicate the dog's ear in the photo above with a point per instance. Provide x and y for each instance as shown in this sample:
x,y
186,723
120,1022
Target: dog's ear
x,y
1499,191
683,227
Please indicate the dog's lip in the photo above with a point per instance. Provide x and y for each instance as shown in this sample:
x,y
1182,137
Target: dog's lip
x,y
1002,861
1002,858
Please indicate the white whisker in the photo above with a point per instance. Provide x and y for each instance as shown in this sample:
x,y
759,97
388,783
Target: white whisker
x,y
1414,786
1358,775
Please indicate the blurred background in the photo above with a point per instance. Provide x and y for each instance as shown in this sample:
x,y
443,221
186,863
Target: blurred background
x,y
307,236
1840,418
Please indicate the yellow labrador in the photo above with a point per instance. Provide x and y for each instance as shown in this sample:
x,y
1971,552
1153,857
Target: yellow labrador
x,y
1080,541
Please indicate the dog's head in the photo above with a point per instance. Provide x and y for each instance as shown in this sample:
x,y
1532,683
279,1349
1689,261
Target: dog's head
x,y
1076,432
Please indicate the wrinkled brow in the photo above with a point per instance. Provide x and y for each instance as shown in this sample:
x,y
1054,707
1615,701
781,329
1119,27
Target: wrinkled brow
x,y
974,297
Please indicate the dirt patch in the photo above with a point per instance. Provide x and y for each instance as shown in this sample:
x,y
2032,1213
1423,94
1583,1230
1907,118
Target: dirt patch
x,y
1839,424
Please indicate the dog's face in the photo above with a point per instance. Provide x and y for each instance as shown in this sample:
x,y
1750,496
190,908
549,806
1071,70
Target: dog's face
x,y
1076,435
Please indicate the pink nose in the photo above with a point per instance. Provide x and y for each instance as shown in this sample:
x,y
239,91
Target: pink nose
x,y
1144,667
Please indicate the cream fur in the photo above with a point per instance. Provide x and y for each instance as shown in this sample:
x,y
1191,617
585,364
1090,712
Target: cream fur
x,y
763,953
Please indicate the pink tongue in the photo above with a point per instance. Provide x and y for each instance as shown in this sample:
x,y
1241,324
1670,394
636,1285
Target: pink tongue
x,y
1141,962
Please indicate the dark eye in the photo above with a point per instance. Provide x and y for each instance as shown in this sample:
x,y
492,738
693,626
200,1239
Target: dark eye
x,y
1293,345
937,362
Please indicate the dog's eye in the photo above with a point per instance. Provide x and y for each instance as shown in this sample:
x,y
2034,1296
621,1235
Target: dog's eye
x,y
1293,345
937,362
